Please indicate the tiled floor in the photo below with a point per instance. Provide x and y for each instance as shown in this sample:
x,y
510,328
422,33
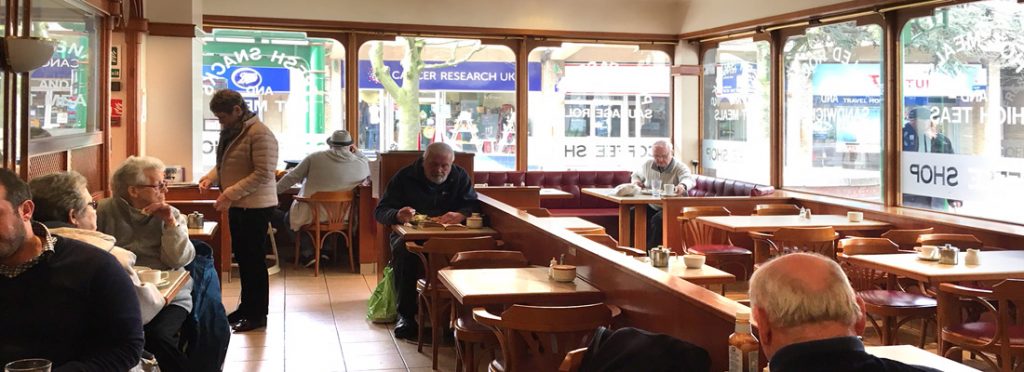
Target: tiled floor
x,y
319,324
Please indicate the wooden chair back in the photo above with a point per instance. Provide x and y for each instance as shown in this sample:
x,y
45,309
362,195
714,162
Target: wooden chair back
x,y
489,259
963,241
906,238
610,242
332,208
537,338
776,210
437,253
1006,301
820,240
573,360
695,233
538,212
861,278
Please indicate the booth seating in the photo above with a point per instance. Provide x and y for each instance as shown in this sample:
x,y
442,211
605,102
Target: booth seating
x,y
711,186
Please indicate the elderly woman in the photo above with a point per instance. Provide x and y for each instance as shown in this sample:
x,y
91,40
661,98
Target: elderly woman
x,y
64,205
142,222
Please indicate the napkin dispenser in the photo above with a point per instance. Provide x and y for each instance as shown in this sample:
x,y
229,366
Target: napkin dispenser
x,y
194,220
949,255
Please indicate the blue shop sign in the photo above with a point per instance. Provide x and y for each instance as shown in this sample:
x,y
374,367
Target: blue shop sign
x,y
466,76
250,78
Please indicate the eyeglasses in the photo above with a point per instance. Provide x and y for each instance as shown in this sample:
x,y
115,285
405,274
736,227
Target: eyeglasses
x,y
93,204
162,186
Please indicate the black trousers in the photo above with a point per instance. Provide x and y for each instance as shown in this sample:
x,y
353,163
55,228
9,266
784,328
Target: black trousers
x,y
653,227
249,245
407,269
162,338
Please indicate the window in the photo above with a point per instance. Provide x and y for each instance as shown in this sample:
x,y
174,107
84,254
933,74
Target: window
x,y
832,120
457,91
293,83
596,106
737,133
963,110
63,96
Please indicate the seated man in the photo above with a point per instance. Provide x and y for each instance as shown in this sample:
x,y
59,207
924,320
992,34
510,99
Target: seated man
x,y
142,222
62,299
808,317
64,205
433,186
342,167
664,168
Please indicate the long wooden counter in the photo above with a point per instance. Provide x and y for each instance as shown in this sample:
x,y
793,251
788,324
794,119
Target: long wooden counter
x,y
650,298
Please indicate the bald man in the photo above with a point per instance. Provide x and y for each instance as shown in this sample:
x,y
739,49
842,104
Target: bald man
x,y
662,167
433,186
808,317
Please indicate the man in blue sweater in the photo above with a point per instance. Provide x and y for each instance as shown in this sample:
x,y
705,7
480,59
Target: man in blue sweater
x,y
432,186
61,299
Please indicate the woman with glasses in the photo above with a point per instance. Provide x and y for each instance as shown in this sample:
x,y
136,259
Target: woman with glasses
x,y
142,222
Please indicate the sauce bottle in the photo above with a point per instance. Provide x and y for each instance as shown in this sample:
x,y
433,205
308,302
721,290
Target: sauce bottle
x,y
743,347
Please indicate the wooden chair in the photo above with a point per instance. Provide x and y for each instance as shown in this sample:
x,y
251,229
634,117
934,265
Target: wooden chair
x,y
820,240
776,210
704,240
573,360
434,298
1002,335
906,238
331,211
468,332
538,212
537,338
963,241
610,242
891,305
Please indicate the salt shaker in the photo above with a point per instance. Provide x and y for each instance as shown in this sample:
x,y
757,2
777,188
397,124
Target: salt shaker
x,y
808,214
972,257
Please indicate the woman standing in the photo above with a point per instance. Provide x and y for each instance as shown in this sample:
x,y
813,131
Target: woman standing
x,y
246,161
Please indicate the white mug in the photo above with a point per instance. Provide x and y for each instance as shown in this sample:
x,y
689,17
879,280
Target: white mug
x,y
153,276
669,189
694,261
855,216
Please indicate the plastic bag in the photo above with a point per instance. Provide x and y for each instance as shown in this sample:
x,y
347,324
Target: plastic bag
x,y
383,301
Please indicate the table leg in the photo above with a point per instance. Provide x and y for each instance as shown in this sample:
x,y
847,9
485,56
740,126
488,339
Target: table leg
x,y
623,224
640,227
948,310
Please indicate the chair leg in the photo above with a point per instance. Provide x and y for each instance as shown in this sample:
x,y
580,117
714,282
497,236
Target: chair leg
x,y
435,335
419,325
351,253
317,244
298,238
924,331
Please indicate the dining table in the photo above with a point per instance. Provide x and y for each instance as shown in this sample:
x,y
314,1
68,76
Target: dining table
x,y
508,286
575,224
630,206
412,232
772,223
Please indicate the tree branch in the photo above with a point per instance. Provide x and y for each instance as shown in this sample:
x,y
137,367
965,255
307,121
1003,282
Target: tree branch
x,y
382,72
452,61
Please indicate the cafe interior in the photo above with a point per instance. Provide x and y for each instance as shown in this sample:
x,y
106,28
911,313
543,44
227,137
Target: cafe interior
x,y
885,135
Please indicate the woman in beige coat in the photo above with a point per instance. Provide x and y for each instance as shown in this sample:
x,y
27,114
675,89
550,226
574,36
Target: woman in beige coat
x,y
246,161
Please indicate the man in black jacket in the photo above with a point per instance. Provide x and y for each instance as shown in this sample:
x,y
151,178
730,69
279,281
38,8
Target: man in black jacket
x,y
61,299
432,186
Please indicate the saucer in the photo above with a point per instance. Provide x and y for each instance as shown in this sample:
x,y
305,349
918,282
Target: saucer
x,y
927,259
163,283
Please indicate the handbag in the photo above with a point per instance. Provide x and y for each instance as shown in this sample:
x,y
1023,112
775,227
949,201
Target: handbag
x,y
383,307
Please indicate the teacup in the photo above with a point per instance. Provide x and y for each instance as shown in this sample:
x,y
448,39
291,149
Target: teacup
x,y
563,273
855,216
153,276
694,261
927,252
668,189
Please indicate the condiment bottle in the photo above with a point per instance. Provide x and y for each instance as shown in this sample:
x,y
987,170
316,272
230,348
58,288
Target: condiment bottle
x,y
551,268
743,346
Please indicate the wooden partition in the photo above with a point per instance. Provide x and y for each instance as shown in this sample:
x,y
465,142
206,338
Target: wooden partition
x,y
521,197
650,299
188,199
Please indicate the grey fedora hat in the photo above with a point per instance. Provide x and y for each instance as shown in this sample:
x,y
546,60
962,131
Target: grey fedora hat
x,y
340,138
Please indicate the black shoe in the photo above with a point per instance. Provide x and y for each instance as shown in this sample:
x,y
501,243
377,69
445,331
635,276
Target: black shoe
x,y
406,329
235,316
246,325
308,262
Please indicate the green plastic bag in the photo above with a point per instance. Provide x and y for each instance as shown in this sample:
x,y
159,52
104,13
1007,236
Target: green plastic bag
x,y
383,303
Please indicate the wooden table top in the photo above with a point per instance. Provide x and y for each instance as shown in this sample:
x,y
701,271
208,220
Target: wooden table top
x,y
995,265
547,193
414,233
607,194
529,285
704,275
209,228
910,354
574,224
772,223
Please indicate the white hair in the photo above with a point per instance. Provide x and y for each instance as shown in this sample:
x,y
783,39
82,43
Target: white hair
x,y
662,143
133,173
438,148
789,300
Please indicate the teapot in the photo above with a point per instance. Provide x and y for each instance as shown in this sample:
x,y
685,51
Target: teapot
x,y
949,255
659,256
195,220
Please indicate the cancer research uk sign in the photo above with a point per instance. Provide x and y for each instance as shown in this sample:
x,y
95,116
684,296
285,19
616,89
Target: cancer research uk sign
x,y
465,76
961,177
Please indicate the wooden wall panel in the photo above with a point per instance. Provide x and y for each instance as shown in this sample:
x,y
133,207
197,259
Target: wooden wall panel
x,y
88,161
42,165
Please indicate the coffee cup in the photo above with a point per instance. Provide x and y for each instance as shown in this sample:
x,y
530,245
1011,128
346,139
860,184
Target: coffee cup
x,y
855,216
693,261
928,252
153,276
668,189
563,273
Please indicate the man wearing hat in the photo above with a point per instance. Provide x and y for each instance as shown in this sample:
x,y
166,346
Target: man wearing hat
x,y
911,137
341,167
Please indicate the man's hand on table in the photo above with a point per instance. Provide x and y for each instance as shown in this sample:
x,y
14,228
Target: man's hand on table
x,y
405,215
450,217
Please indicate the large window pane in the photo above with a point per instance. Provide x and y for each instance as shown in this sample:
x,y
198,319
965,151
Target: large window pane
x,y
416,91
736,141
963,110
833,111
294,83
62,93
596,106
